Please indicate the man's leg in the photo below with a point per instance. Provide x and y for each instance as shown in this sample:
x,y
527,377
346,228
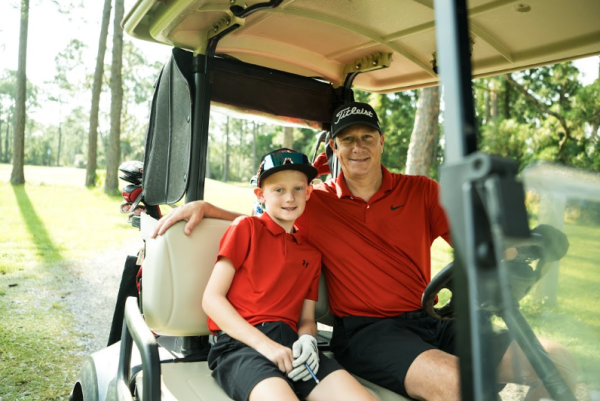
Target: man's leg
x,y
433,375
515,368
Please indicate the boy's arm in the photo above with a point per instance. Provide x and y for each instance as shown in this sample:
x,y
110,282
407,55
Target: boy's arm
x,y
305,348
192,212
217,306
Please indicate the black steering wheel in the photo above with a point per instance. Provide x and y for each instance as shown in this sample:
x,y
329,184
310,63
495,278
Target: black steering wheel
x,y
442,280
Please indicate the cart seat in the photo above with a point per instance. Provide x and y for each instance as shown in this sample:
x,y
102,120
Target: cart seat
x,y
176,270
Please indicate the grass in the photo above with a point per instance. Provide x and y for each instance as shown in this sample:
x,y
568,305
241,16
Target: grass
x,y
574,320
45,227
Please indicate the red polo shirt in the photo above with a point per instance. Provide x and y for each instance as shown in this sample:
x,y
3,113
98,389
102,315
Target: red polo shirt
x,y
275,271
376,254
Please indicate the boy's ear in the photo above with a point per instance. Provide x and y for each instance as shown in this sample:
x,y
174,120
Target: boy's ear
x,y
309,190
260,195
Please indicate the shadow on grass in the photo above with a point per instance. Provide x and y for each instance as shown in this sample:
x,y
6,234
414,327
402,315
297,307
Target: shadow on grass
x,y
46,249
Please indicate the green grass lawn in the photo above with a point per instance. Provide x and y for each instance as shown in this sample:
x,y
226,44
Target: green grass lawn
x,y
575,319
45,227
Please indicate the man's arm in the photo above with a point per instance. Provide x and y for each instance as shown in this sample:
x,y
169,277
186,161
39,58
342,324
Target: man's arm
x,y
192,212
217,306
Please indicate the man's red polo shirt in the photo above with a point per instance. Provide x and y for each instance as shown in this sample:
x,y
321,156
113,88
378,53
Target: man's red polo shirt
x,y
275,271
376,254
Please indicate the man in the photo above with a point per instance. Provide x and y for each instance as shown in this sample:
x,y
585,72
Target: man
x,y
375,230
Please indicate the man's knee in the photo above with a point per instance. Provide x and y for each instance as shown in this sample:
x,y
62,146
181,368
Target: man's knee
x,y
434,374
516,368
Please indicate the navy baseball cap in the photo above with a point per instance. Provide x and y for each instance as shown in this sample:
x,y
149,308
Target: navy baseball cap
x,y
352,114
284,159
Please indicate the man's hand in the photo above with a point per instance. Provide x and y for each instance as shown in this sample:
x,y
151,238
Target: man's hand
x,y
191,212
305,351
278,354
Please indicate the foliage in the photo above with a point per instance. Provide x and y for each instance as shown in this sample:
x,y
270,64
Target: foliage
x,y
544,114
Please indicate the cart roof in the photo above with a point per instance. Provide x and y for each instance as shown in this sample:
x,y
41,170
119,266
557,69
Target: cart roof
x,y
320,38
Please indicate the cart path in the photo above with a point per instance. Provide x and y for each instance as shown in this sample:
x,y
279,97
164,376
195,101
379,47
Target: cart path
x,y
92,290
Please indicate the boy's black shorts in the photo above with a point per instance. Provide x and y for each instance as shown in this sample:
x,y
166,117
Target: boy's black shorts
x,y
238,368
381,350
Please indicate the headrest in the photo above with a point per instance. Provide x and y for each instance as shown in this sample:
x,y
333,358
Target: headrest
x,y
175,272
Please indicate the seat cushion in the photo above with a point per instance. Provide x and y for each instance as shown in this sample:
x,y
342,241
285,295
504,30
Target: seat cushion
x,y
192,381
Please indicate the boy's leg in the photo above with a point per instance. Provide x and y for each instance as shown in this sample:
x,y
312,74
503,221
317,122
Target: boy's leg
x,y
272,389
340,385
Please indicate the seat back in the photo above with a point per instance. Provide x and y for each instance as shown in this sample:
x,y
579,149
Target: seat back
x,y
322,314
175,273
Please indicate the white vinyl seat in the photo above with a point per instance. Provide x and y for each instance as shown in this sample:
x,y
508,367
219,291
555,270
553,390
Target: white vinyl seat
x,y
175,272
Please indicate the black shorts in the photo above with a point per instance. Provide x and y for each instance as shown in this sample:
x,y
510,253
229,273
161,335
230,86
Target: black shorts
x,y
381,350
238,368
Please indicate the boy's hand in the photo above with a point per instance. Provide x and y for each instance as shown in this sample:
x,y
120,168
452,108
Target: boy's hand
x,y
305,351
278,354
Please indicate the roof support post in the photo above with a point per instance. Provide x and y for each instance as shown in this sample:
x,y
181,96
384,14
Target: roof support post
x,y
470,227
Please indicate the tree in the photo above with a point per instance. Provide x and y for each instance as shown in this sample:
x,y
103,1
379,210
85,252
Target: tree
x,y
226,161
424,137
288,137
17,175
116,104
90,172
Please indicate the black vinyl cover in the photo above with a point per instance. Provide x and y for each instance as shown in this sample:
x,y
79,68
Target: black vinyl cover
x,y
244,86
168,138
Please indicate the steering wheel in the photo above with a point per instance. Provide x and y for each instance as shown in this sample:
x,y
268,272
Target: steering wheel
x,y
442,280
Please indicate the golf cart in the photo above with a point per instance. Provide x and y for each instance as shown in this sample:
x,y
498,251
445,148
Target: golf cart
x,y
295,61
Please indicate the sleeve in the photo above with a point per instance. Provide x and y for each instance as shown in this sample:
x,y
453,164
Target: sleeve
x,y
235,243
313,290
439,225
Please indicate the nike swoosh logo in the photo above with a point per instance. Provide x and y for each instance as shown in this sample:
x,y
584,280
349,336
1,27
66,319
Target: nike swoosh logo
x,y
396,207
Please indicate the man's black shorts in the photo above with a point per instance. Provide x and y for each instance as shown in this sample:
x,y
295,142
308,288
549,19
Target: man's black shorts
x,y
382,349
238,368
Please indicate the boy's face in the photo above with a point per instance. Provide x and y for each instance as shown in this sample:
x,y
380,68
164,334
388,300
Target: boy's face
x,y
284,194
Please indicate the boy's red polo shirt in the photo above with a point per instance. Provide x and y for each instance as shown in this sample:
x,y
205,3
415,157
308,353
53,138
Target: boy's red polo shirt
x,y
275,271
376,254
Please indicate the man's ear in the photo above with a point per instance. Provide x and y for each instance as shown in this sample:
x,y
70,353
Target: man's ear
x,y
382,140
333,146
260,194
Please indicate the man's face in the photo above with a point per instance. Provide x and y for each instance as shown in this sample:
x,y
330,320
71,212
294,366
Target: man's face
x,y
358,150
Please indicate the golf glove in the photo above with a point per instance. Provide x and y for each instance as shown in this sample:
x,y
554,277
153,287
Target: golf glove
x,y
304,351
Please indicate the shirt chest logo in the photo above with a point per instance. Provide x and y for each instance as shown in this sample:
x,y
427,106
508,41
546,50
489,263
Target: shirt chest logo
x,y
304,263
396,207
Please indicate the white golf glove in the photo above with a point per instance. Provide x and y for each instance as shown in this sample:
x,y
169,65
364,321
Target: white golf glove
x,y
304,351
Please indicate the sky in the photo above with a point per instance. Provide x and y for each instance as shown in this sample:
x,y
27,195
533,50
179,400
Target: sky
x,y
50,32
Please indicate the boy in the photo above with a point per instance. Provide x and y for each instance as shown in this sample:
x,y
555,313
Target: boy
x,y
261,297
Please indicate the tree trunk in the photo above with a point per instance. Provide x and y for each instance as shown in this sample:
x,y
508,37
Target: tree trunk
x,y
488,106
424,138
226,164
17,175
506,100
92,162
1,158
6,142
288,137
254,156
59,142
116,103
